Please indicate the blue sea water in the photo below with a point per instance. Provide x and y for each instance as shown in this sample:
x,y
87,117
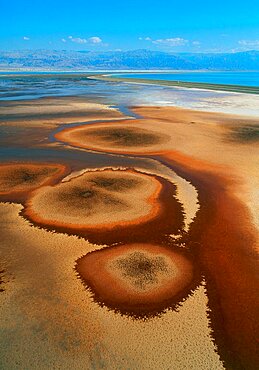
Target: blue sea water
x,y
225,78
28,86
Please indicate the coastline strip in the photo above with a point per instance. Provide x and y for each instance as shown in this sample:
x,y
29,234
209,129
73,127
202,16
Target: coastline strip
x,y
189,85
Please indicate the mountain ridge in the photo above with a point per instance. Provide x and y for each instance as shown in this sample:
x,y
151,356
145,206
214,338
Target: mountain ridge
x,y
140,59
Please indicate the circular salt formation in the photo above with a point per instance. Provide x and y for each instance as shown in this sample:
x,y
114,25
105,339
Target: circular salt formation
x,y
136,279
97,200
123,136
25,177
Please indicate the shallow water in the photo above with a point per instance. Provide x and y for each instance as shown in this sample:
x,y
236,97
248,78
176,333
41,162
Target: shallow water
x,y
224,78
20,87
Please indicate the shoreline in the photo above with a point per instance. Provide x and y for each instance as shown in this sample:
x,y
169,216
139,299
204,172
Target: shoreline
x,y
104,75
181,84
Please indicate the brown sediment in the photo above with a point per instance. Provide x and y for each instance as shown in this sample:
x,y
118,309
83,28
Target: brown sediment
x,y
70,322
2,281
226,251
108,206
121,136
55,110
222,238
18,180
191,117
60,318
245,133
20,135
139,280
159,129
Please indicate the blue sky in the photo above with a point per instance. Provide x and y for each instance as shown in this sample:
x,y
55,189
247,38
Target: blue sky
x,y
175,26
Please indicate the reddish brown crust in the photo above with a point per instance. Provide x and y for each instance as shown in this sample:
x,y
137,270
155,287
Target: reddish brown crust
x,y
21,195
223,240
110,289
65,137
168,219
152,200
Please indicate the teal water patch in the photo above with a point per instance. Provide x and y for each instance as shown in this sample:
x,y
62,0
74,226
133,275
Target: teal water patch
x,y
222,78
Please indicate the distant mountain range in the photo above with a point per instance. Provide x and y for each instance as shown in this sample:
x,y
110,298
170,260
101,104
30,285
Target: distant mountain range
x,y
126,60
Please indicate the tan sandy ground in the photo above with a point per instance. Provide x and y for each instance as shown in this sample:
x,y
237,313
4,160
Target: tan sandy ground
x,y
49,112
211,138
186,193
210,149
30,123
58,320
59,106
97,199
25,177
139,279
201,135
48,319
